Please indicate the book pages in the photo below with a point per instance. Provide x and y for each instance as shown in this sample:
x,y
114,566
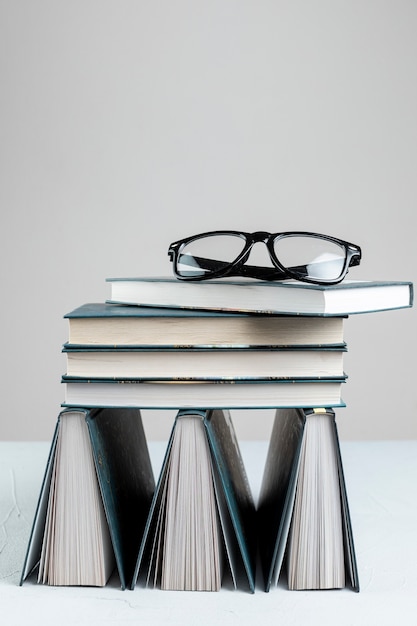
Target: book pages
x,y
76,548
315,548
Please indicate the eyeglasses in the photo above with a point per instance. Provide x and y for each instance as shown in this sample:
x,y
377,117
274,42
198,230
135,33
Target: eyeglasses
x,y
304,256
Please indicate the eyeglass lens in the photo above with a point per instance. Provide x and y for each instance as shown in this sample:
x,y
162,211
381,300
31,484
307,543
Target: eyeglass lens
x,y
194,258
306,256
311,257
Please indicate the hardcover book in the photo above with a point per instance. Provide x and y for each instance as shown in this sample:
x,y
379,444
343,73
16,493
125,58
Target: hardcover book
x,y
303,514
202,516
205,364
177,394
286,297
94,499
102,324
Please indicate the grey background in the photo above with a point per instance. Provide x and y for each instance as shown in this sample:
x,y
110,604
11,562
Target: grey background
x,y
128,124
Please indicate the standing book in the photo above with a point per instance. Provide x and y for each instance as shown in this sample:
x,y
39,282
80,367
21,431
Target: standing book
x,y
202,516
272,297
94,499
303,512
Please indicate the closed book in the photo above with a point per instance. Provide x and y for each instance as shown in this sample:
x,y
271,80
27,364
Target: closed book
x,y
94,500
103,324
202,518
204,364
303,514
287,297
173,394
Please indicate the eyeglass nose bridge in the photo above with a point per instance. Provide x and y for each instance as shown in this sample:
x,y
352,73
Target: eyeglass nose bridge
x,y
260,235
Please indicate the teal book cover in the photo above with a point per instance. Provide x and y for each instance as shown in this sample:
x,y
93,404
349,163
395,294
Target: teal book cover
x,y
126,480
235,489
33,552
109,310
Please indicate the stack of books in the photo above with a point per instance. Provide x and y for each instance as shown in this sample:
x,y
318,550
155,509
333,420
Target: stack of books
x,y
202,349
209,359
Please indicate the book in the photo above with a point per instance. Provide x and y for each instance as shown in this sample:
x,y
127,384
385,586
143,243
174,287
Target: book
x,y
94,500
204,364
287,297
103,324
303,512
202,517
238,393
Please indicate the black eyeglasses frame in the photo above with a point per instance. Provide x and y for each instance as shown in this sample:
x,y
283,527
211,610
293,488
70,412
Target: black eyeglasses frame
x,y
237,267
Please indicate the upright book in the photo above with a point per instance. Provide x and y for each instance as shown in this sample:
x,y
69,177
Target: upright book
x,y
202,515
105,325
94,499
272,297
303,512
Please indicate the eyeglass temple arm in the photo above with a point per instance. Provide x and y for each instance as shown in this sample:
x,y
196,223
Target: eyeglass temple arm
x,y
355,260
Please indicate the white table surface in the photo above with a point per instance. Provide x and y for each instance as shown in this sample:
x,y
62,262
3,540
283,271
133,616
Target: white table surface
x,y
381,481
